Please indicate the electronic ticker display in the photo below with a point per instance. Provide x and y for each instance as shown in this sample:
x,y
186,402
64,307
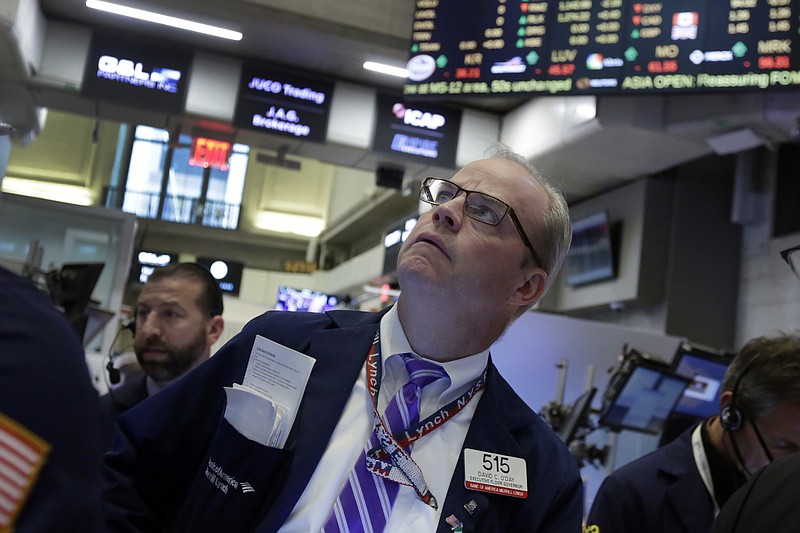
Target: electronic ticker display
x,y
506,47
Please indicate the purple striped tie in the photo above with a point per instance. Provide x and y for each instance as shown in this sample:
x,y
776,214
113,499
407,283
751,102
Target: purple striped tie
x,y
366,499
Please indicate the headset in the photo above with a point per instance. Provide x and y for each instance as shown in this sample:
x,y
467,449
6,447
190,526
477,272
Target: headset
x,y
114,376
732,417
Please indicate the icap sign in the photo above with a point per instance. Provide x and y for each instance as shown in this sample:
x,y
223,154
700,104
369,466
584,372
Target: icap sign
x,y
415,117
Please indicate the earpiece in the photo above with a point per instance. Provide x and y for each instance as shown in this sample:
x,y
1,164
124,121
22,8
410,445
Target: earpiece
x,y
731,417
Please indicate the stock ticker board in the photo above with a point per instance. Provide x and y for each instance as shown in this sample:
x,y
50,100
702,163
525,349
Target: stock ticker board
x,y
506,47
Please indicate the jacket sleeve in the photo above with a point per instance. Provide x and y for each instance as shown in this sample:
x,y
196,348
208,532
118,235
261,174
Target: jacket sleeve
x,y
615,509
163,445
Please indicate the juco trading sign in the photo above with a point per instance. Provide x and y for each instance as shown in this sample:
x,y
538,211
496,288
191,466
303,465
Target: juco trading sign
x,y
137,74
283,103
417,131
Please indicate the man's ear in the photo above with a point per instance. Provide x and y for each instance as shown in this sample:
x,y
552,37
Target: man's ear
x,y
725,399
214,329
531,289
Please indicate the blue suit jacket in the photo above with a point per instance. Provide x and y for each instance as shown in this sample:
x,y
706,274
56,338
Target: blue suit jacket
x,y
45,388
660,492
177,465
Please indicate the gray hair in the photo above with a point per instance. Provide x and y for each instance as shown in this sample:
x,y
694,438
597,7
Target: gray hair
x,y
765,373
553,242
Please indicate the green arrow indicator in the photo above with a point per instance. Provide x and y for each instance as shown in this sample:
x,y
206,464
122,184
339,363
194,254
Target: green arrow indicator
x,y
631,54
532,58
415,48
635,34
739,49
441,61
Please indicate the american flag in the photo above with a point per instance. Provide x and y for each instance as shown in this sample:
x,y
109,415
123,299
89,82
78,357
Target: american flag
x,y
22,454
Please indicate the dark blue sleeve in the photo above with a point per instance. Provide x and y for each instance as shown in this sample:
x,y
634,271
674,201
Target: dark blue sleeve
x,y
165,448
45,387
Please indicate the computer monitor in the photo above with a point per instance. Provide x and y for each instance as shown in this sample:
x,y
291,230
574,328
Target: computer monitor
x,y
706,368
577,417
642,398
290,299
71,289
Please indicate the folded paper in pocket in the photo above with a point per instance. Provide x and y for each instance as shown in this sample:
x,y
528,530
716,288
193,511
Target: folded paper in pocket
x,y
255,416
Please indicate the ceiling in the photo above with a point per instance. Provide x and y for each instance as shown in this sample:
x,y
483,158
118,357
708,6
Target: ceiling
x,y
329,38
631,136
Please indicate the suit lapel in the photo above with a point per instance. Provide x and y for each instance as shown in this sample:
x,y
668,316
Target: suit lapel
x,y
687,488
489,431
340,355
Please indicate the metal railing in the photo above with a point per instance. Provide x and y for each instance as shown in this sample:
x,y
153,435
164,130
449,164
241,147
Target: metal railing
x,y
177,208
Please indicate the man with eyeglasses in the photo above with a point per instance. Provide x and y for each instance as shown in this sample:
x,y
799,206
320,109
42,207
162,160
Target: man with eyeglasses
x,y
681,486
455,449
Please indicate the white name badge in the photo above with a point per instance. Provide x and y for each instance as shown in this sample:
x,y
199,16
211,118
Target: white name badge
x,y
495,473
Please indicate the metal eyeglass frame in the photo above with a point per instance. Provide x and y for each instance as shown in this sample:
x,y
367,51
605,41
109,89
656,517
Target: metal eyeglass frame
x,y
425,196
792,258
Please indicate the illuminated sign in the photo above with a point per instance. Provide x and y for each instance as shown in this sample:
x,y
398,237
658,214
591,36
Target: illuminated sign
x,y
138,74
210,153
275,101
510,47
227,273
417,131
146,262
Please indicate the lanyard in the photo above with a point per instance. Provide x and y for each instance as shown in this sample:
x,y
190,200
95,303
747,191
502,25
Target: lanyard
x,y
389,459
701,461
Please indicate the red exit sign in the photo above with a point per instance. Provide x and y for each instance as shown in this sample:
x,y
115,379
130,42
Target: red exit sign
x,y
210,153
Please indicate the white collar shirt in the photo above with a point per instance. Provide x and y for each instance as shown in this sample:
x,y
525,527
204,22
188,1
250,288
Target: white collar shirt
x,y
437,453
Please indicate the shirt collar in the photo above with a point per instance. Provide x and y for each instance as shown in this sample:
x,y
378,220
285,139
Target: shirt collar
x,y
462,372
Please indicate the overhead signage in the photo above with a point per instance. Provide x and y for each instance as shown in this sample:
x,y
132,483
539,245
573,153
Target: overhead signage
x,y
283,103
602,46
208,153
138,74
227,273
146,262
417,131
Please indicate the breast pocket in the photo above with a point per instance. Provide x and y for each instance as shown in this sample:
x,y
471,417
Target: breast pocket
x,y
235,486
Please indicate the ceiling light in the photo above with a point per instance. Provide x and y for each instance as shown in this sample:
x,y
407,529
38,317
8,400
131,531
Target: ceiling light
x,y
68,194
386,69
289,223
158,18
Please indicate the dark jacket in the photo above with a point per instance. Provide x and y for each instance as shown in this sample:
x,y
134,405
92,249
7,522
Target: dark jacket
x,y
171,445
661,492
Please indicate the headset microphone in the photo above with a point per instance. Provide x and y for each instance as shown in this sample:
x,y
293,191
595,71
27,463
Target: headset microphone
x,y
113,373
114,376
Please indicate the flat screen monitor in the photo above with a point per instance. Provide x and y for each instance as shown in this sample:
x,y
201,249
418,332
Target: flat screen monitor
x,y
591,257
577,417
706,370
290,299
644,399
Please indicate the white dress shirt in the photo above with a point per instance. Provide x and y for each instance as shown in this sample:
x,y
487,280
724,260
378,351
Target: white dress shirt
x,y
436,453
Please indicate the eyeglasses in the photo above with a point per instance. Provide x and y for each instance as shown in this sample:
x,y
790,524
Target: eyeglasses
x,y
792,258
477,206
